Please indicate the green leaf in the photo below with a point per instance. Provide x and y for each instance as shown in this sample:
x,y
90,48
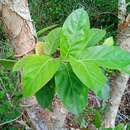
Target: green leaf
x,y
77,21
45,95
110,57
120,127
128,127
105,92
109,41
74,32
98,120
52,41
94,36
126,69
8,64
89,73
37,71
70,89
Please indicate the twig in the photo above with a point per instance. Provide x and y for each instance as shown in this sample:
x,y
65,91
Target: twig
x,y
26,105
102,13
126,117
5,90
21,122
10,121
127,92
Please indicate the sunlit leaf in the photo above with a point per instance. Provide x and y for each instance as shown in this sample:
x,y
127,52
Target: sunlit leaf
x,y
52,41
37,71
89,73
94,36
109,41
74,32
110,57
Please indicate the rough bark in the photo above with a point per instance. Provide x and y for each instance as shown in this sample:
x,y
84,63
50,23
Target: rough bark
x,y
121,10
21,32
120,83
18,23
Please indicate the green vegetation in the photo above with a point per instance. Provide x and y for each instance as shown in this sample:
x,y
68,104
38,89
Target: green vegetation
x,y
77,69
103,15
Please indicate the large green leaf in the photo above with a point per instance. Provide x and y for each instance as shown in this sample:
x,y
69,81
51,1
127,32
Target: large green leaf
x,y
45,95
8,64
89,73
52,41
70,89
37,71
94,36
74,32
110,57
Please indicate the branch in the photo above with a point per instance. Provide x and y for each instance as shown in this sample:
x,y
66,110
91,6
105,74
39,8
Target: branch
x,y
118,87
10,121
0,11
102,13
120,83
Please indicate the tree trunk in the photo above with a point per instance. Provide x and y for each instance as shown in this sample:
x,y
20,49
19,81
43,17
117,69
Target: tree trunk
x,y
120,83
18,23
21,33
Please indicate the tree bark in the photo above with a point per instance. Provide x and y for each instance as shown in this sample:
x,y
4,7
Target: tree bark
x,y
121,10
22,35
18,23
120,83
